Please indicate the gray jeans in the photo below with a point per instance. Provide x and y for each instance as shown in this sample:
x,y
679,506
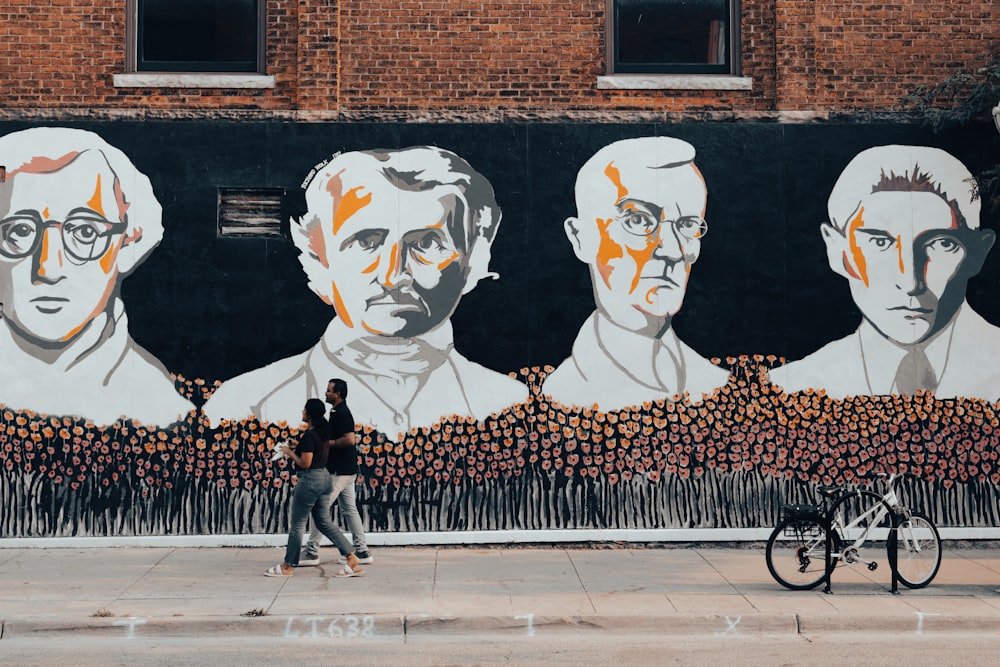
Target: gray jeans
x,y
312,497
344,493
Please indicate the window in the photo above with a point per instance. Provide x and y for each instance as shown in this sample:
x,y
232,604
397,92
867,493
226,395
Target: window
x,y
197,35
674,36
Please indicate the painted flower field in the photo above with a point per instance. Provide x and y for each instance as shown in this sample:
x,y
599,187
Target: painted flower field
x,y
728,461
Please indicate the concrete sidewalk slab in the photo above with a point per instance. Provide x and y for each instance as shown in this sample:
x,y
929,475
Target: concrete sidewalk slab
x,y
419,591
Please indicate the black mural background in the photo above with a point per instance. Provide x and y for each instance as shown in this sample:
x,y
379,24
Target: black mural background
x,y
213,307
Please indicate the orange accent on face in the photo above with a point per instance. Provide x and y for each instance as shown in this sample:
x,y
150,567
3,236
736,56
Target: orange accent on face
x,y
123,205
107,261
317,245
345,204
418,258
445,263
615,176
371,267
45,213
393,263
96,203
338,305
856,254
899,251
44,253
73,332
607,250
133,237
640,257
371,330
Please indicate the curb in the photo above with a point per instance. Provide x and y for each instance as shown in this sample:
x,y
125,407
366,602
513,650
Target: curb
x,y
401,628
916,623
530,625
332,626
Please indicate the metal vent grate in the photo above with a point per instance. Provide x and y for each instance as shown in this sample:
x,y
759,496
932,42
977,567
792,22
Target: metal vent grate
x,y
250,211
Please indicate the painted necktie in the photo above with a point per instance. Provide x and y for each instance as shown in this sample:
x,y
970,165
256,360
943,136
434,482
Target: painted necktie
x,y
915,373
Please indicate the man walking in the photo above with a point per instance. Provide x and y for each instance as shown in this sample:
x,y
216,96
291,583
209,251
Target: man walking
x,y
342,463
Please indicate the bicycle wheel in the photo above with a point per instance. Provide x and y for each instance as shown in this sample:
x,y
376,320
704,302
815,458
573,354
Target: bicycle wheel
x,y
918,551
862,522
796,553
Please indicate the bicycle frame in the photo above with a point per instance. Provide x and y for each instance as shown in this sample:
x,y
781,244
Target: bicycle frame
x,y
870,518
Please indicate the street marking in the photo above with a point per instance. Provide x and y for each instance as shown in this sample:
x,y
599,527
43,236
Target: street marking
x,y
531,622
920,621
732,626
344,626
130,624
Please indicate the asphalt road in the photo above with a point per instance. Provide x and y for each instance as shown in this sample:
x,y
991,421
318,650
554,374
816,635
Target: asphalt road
x,y
598,650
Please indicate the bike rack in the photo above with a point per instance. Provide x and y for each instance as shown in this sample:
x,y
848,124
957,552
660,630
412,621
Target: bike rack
x,y
891,543
896,521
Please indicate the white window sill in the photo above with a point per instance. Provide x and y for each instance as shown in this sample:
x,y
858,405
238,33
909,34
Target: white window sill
x,y
674,82
188,80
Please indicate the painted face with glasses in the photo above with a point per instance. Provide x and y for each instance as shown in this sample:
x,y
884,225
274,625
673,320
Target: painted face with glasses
x,y
62,224
640,229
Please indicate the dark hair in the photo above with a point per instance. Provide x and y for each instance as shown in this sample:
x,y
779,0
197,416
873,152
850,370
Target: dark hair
x,y
339,386
316,411
918,182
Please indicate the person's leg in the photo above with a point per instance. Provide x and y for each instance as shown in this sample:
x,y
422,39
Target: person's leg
x,y
347,499
303,501
312,546
321,516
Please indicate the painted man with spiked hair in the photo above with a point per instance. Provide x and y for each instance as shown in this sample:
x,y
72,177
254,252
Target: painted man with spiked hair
x,y
904,232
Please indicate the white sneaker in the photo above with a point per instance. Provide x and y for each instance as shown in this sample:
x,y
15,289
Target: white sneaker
x,y
307,560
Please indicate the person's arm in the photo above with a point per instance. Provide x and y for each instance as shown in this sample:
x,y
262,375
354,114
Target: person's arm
x,y
346,440
303,460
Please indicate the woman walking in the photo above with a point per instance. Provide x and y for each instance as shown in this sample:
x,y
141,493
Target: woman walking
x,y
312,494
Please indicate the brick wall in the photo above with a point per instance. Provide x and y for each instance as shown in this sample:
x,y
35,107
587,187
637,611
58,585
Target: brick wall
x,y
869,55
480,57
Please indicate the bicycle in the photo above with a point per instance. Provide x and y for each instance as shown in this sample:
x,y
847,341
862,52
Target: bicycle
x,y
857,521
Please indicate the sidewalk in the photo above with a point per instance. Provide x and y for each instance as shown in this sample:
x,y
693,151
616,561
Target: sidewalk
x,y
417,591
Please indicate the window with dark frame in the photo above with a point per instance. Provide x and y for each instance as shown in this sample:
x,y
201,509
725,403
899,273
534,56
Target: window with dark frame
x,y
674,36
198,35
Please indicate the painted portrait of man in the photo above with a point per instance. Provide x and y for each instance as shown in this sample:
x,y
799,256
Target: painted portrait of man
x,y
76,218
904,231
392,240
639,228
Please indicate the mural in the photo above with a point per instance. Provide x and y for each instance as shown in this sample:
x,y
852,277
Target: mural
x,y
76,217
904,232
633,429
639,225
391,240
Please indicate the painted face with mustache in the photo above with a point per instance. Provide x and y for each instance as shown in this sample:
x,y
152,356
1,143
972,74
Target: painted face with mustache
x,y
396,268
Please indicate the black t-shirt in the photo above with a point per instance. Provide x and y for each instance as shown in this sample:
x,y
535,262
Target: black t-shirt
x,y
312,442
342,460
